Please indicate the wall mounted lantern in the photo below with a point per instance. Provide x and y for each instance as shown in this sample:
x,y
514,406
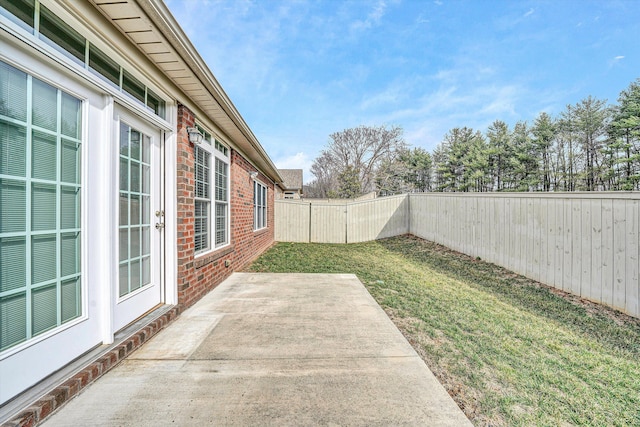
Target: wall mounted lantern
x,y
195,136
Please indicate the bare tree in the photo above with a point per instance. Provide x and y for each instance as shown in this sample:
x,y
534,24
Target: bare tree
x,y
361,150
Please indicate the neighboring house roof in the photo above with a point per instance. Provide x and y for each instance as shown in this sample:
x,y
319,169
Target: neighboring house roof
x,y
292,179
151,27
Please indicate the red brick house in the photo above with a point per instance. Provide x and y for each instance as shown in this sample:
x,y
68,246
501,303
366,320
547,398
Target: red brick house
x,y
130,186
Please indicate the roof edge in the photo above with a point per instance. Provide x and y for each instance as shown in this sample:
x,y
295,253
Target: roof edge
x,y
162,17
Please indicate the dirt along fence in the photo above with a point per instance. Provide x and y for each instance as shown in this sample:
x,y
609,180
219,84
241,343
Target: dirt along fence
x,y
583,243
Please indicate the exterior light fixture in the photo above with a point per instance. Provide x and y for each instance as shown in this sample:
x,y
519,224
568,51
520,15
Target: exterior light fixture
x,y
253,174
195,136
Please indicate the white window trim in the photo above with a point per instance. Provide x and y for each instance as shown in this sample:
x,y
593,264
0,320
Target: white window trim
x,y
206,200
56,54
208,145
256,185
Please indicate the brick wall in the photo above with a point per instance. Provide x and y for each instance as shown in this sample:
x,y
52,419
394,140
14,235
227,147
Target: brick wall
x,y
198,275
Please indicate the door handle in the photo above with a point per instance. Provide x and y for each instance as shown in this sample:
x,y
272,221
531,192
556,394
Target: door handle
x,y
159,225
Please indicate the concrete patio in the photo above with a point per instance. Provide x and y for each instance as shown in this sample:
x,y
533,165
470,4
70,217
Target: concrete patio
x,y
271,349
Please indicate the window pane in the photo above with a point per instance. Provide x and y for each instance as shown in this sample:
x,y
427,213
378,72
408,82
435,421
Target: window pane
x,y
221,180
146,238
146,149
124,209
134,235
43,249
145,179
155,103
13,92
202,173
132,86
69,207
124,244
13,143
43,156
44,308
146,271
70,170
20,11
71,116
134,144
146,210
221,148
13,206
70,299
13,263
45,105
13,320
69,254
135,275
201,225
124,139
103,65
55,29
221,223
43,207
134,215
123,282
124,174
135,176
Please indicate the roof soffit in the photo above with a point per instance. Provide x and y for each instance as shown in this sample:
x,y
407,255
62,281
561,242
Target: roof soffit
x,y
149,25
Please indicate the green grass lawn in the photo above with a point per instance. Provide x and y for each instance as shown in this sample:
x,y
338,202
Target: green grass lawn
x,y
508,350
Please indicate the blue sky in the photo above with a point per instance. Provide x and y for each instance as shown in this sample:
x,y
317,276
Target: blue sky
x,y
300,70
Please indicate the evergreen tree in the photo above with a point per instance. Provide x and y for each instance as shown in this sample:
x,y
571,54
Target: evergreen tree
x,y
624,139
544,132
499,151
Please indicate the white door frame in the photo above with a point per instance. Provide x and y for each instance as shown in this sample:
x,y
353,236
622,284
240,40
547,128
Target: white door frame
x,y
127,308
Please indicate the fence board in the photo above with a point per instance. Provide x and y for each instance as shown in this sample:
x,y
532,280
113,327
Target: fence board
x,y
595,282
633,247
619,258
584,243
291,221
607,252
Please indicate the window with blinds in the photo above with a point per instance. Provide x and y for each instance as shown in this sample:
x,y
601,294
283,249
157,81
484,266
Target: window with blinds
x,y
40,143
211,196
222,202
259,206
46,25
202,200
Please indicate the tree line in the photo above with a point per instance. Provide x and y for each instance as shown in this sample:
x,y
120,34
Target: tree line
x,y
589,146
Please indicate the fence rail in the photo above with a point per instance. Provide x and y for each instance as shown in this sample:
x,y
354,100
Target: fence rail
x,y
583,243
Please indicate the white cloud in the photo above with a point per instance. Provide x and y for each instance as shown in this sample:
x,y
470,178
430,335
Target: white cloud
x,y
618,58
529,13
373,18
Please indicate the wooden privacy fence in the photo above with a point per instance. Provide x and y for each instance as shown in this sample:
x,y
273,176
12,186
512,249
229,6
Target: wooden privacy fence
x,y
360,221
583,243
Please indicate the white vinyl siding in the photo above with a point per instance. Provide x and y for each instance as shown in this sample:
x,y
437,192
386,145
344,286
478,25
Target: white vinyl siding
x,y
40,141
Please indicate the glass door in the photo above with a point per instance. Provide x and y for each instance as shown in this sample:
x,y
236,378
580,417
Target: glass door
x,y
140,222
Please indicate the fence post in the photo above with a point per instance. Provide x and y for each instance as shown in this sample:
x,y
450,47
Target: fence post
x,y
309,238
